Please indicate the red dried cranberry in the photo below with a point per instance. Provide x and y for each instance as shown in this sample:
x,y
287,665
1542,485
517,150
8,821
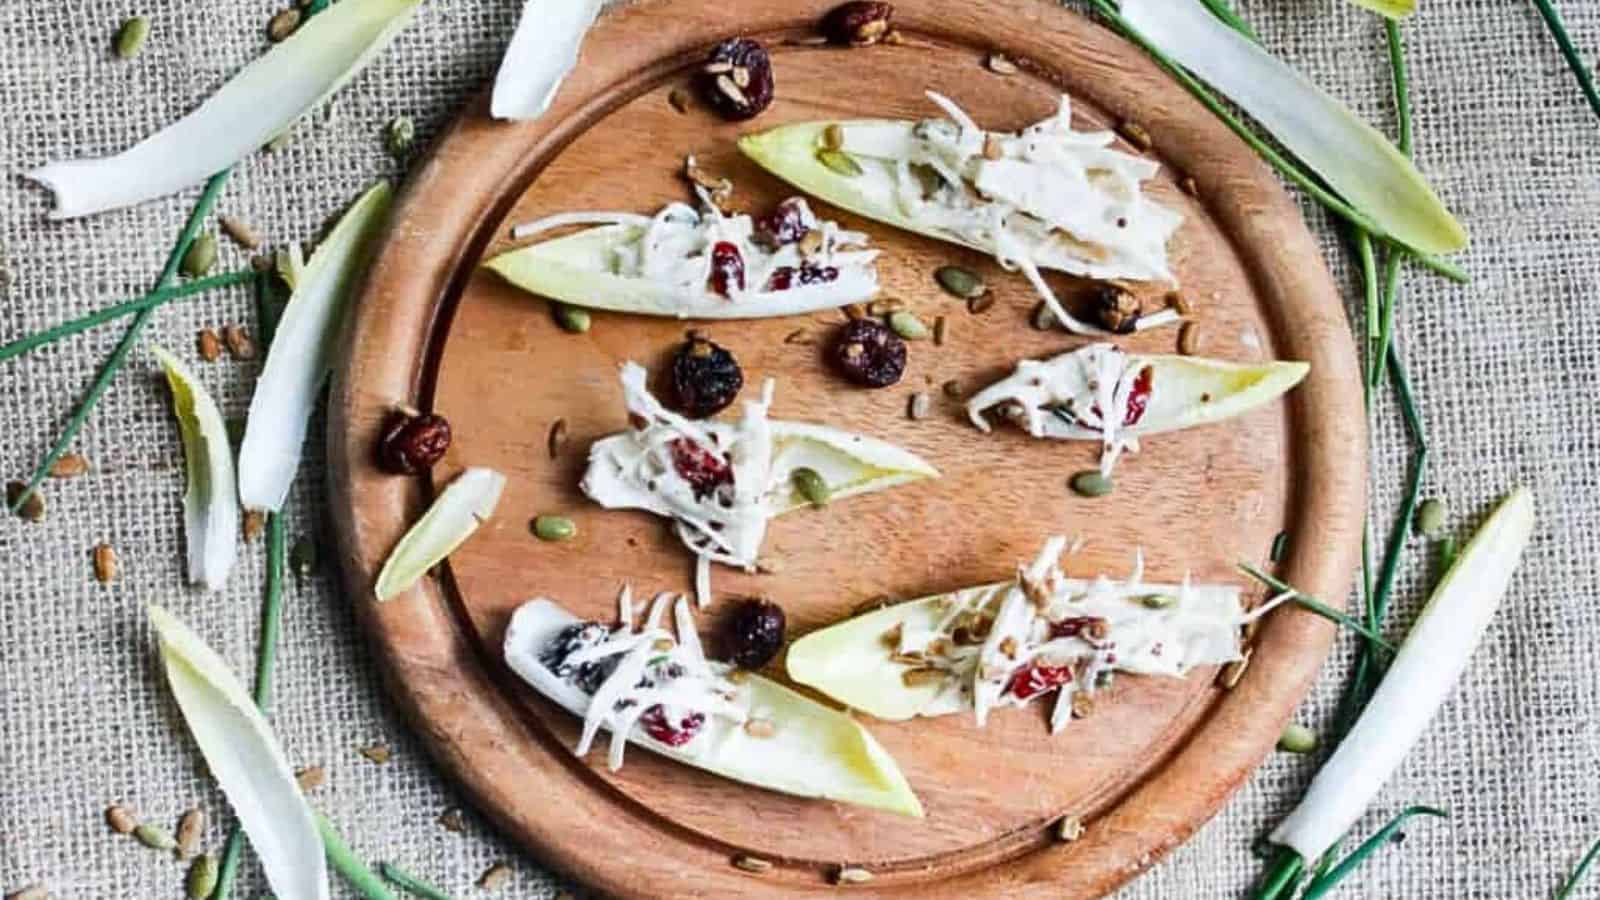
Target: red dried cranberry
x,y
755,633
1139,396
727,268
1037,679
672,734
1076,626
412,443
869,354
783,277
705,377
705,471
786,224
737,79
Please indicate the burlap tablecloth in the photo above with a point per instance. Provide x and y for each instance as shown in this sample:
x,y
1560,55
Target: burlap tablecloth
x,y
1505,368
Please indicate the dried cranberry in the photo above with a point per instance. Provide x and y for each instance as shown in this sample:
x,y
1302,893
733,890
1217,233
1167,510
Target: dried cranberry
x,y
727,268
869,354
705,471
672,734
737,79
1116,309
755,633
786,224
1037,679
705,377
860,23
569,640
412,443
1090,627
1139,396
783,277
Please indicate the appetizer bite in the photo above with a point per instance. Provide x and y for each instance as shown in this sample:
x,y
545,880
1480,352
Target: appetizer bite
x,y
702,263
1099,393
721,481
1047,197
1006,644
646,686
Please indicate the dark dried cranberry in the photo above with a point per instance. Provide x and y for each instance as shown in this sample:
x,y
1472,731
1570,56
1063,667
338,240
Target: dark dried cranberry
x,y
1139,396
786,224
412,443
737,79
783,277
727,268
869,354
569,640
755,633
1035,678
860,23
672,734
1116,309
705,377
706,472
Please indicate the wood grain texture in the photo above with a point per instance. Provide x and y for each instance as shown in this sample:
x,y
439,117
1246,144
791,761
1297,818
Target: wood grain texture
x,y
1158,757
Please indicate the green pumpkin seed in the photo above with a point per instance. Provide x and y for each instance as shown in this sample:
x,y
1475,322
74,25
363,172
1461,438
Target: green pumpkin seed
x,y
907,325
1297,738
810,485
202,878
131,37
1090,483
1157,601
154,836
840,162
1430,517
398,136
571,319
554,528
201,256
959,282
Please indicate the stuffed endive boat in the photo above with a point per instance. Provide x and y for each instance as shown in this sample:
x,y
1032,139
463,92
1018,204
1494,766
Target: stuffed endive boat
x,y
649,688
1099,393
700,263
1047,197
1007,644
722,481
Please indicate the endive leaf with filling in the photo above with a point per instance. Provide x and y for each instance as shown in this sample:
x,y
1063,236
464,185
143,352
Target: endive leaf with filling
x,y
723,481
700,263
1067,396
1002,645
646,686
1047,197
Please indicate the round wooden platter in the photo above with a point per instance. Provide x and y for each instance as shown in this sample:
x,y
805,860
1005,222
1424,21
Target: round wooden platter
x,y
1158,756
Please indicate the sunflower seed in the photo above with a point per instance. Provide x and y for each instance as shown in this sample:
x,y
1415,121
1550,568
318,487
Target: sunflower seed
x,y
453,820
751,864
120,820
1069,829
208,345
242,234
798,336
1189,338
980,305
131,37
494,877
254,521
760,728
1136,134
1234,671
31,509
70,465
952,389
31,892
557,438
105,563
959,282
851,875
679,99
941,330
378,753
239,343
311,777
1000,65
190,827
917,407
1042,319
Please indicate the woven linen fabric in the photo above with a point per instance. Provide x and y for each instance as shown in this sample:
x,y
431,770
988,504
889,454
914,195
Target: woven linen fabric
x,y
1505,369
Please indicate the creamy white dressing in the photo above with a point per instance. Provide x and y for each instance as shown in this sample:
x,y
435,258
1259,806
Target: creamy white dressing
x,y
676,251
1069,396
1046,197
1005,645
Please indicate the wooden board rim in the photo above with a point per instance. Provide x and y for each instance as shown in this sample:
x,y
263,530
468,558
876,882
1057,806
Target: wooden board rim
x,y
435,671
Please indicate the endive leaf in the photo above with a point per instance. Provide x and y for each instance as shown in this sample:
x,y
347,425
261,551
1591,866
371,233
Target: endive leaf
x,y
302,353
210,506
244,756
258,103
542,51
456,513
1357,162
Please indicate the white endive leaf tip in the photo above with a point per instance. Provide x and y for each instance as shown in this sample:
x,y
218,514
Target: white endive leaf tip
x,y
541,54
301,355
244,756
456,513
264,99
210,506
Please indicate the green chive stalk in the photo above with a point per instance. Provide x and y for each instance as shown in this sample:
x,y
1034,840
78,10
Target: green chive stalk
x,y
356,873
1325,882
1336,616
410,883
1571,884
1580,70
148,301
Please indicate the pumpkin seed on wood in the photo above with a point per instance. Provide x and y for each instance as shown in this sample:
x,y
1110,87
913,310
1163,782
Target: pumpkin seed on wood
x,y
571,319
31,509
917,407
751,864
906,324
960,282
554,528
840,162
809,484
202,878
1430,517
283,24
120,819
1091,483
70,465
154,836
201,256
131,37
190,828
105,563
1297,738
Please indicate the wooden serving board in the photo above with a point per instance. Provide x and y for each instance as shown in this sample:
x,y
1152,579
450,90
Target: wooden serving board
x,y
1156,759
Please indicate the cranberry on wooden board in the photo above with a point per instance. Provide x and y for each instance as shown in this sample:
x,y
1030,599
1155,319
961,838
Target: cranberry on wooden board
x,y
785,277
410,444
754,633
705,471
705,377
1035,678
786,224
736,79
727,268
869,354
859,23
